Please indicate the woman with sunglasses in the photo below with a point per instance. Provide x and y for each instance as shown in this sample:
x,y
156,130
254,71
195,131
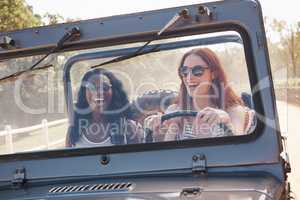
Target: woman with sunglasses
x,y
204,88
101,114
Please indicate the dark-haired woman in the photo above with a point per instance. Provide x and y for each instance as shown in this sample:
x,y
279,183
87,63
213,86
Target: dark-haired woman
x,y
102,113
205,89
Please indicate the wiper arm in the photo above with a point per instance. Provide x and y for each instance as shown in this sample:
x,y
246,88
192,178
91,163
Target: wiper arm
x,y
74,32
129,56
157,36
16,74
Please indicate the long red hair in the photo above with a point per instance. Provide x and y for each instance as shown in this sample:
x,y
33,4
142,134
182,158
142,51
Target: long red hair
x,y
225,97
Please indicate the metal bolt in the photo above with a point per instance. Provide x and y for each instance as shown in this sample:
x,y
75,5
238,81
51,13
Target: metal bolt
x,y
195,158
104,160
184,12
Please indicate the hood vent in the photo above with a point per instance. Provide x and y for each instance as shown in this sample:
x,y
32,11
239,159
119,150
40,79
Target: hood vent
x,y
108,187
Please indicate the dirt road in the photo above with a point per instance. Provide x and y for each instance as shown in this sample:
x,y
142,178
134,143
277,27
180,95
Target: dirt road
x,y
289,116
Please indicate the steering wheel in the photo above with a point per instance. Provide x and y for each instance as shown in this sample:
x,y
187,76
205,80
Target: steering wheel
x,y
149,133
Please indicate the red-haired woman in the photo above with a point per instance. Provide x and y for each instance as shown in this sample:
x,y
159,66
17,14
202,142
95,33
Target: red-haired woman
x,y
205,89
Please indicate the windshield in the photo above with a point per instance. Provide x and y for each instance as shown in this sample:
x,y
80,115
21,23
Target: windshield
x,y
190,88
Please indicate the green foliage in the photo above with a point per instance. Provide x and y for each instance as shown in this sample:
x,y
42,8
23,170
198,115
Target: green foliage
x,y
16,14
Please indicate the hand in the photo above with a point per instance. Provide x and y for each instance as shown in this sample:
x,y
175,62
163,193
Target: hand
x,y
209,117
153,122
159,130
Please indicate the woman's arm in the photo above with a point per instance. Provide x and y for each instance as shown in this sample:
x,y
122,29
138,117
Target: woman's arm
x,y
210,122
134,132
162,131
240,118
166,131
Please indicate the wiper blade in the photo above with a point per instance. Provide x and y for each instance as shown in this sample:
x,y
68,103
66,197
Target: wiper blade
x,y
129,56
139,51
74,32
17,74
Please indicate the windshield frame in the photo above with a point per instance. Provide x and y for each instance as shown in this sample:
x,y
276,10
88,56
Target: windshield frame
x,y
198,29
261,155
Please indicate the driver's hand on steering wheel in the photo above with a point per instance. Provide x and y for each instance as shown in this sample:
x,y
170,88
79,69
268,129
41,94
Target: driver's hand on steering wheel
x,y
159,129
209,117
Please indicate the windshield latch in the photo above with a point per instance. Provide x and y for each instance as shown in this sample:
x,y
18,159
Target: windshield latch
x,y
19,177
199,164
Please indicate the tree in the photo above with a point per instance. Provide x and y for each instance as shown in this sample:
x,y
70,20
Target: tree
x,y
289,43
52,18
277,53
16,14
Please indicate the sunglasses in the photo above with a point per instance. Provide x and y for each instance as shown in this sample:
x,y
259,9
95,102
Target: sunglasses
x,y
105,87
197,70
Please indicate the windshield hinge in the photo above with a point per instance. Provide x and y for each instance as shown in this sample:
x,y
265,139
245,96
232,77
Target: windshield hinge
x,y
19,178
199,164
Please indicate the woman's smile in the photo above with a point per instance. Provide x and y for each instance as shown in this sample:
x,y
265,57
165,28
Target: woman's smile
x,y
191,84
195,81
99,93
100,103
192,87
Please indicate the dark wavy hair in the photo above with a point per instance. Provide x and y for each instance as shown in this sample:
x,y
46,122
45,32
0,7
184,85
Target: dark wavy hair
x,y
119,107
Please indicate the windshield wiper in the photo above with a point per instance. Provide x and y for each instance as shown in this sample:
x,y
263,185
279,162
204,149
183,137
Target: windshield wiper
x,y
16,74
129,56
69,35
139,51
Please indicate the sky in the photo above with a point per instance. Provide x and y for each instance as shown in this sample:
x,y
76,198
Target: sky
x,y
287,10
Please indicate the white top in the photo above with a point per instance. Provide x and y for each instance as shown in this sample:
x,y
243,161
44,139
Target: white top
x,y
130,129
83,141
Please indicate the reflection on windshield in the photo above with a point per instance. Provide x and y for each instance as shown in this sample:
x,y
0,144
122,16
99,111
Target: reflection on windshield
x,y
180,94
